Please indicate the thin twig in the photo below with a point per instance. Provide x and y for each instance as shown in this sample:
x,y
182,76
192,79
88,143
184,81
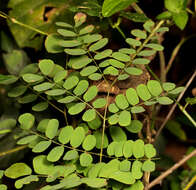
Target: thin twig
x,y
159,179
174,106
13,150
193,180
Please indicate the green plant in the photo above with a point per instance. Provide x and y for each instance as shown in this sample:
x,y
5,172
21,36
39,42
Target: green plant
x,y
95,149
91,122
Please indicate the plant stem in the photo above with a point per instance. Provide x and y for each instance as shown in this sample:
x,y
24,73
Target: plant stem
x,y
174,106
174,54
13,150
188,186
13,20
187,115
137,8
170,170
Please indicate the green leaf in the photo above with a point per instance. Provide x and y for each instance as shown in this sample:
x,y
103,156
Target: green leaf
x,y
149,25
125,166
99,103
26,180
61,75
17,170
181,19
149,150
17,91
176,90
123,177
154,87
141,61
77,137
113,108
138,148
71,155
175,5
79,62
42,166
132,96
167,86
40,106
55,92
85,159
52,43
86,29
30,78
113,119
111,71
76,108
26,140
135,126
128,149
111,148
118,151
103,54
75,51
191,101
26,121
133,42
96,123
154,46
95,76
136,186
136,169
111,7
128,51
117,134
135,17
8,79
109,168
89,115
71,82
164,15
148,166
43,86
52,128
123,76
89,142
46,66
95,169
88,70
124,118
146,53
69,43
65,134
192,161
55,154
64,24
121,101
43,125
67,99
164,100
81,87
41,146
133,71
27,99
98,136
137,109
88,39
66,33
121,56
98,45
176,129
139,33
143,92
3,187
91,93
94,182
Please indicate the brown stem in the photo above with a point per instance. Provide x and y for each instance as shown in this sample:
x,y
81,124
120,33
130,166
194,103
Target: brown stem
x,y
13,150
159,179
174,106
